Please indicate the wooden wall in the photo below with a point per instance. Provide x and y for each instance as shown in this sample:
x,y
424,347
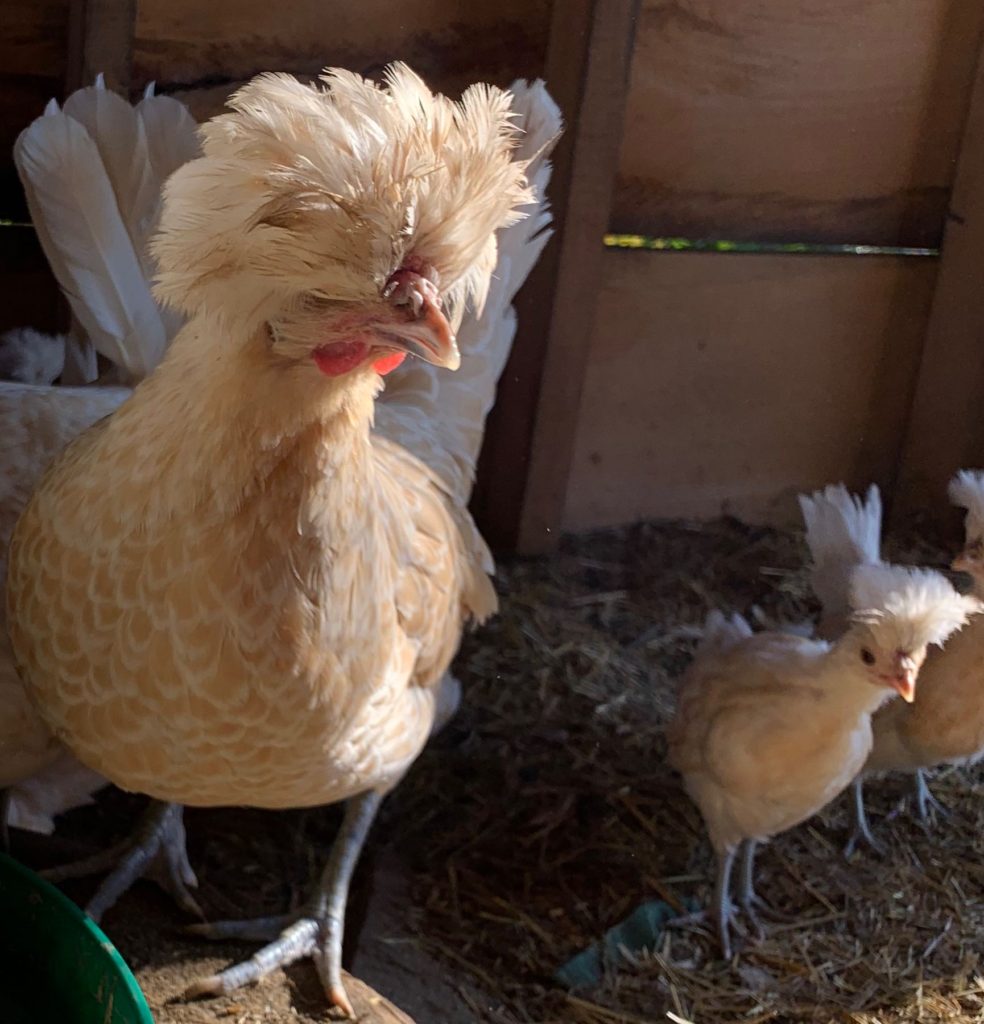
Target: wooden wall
x,y
33,50
700,383
813,120
722,383
200,51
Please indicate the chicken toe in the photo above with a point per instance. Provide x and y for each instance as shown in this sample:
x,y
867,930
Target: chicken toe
x,y
926,804
861,831
317,932
156,850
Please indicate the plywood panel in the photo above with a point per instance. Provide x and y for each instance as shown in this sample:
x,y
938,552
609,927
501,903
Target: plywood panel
x,y
946,428
725,384
34,37
187,46
815,120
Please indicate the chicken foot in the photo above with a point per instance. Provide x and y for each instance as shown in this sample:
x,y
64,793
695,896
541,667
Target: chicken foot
x,y
155,850
748,899
315,932
861,832
927,804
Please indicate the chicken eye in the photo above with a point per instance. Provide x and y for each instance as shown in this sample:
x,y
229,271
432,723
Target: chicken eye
x,y
867,657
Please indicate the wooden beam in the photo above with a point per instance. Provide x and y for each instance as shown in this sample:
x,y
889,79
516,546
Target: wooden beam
x,y
100,39
946,425
529,443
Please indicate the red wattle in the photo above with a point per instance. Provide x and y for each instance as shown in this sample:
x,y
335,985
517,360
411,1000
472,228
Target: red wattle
x,y
386,364
340,357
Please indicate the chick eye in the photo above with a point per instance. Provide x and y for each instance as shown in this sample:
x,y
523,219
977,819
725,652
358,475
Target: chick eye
x,y
867,657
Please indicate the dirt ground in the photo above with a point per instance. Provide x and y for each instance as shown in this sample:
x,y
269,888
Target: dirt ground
x,y
545,813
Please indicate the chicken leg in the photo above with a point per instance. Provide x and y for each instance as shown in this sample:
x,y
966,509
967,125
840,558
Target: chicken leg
x,y
748,899
155,850
861,832
317,932
723,908
926,803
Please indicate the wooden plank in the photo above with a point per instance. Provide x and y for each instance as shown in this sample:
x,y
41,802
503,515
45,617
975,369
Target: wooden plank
x,y
29,294
185,45
807,120
101,42
526,455
946,428
33,38
725,384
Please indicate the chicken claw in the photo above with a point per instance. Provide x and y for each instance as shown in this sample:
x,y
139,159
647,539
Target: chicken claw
x,y
315,932
861,832
927,805
155,850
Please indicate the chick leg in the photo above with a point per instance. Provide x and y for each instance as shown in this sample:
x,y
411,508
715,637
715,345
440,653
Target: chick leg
x,y
156,850
861,832
722,900
317,932
926,803
748,899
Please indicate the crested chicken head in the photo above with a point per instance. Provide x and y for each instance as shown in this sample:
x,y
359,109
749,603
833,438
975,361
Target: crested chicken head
x,y
898,613
353,220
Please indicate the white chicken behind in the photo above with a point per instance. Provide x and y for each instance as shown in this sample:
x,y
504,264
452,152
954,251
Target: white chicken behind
x,y
93,174
771,727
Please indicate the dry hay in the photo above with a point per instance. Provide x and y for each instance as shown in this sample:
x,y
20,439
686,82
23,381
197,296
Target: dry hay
x,y
546,812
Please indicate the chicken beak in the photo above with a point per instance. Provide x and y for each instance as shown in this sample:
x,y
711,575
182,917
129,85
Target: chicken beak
x,y
428,336
905,686
903,680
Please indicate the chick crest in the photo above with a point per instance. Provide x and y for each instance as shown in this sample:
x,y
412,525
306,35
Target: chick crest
x,y
908,609
320,192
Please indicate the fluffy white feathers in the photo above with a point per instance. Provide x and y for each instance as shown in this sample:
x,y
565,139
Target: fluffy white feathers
x,y
906,609
302,191
842,531
93,190
966,490
440,416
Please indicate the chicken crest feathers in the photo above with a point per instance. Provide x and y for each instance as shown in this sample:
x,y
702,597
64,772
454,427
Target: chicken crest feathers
x,y
324,190
908,608
966,491
440,416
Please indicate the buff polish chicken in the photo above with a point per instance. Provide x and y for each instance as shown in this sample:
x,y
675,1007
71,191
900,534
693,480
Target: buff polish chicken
x,y
92,172
771,727
259,592
946,724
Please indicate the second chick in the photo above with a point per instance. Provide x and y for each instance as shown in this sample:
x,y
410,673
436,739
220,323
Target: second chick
x,y
771,727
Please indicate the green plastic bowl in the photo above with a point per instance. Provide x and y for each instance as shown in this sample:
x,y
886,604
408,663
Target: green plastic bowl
x,y
56,965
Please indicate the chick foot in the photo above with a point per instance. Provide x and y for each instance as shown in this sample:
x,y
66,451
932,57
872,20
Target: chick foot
x,y
861,832
927,805
315,932
751,903
156,850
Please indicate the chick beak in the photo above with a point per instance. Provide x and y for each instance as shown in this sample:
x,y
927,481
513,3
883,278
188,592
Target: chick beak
x,y
903,680
426,332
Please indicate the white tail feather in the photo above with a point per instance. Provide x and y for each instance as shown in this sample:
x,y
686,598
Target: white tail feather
x,y
440,416
77,219
94,173
842,532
